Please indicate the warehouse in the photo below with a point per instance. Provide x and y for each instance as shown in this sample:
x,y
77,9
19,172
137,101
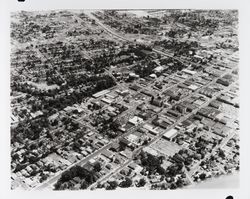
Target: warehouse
x,y
170,134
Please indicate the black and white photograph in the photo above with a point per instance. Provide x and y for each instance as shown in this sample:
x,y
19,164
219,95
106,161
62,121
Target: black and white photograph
x,y
111,99
125,99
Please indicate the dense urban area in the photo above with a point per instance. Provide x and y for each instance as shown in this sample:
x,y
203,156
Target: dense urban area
x,y
112,99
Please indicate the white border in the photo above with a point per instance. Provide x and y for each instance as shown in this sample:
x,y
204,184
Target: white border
x,y
12,5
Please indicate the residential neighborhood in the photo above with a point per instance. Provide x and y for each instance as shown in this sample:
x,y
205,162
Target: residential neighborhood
x,y
113,99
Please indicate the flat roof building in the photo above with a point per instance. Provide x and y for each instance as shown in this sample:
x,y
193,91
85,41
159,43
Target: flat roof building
x,y
106,100
150,129
169,135
150,151
136,120
190,72
99,94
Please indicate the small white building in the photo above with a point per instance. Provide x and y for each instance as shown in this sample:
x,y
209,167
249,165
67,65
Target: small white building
x,y
136,120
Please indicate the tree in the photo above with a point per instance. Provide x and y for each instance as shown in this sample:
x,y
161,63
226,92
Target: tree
x,y
221,153
97,167
112,185
141,182
84,185
43,177
179,182
188,161
58,185
145,142
173,186
15,156
161,170
202,176
66,176
122,146
126,183
114,125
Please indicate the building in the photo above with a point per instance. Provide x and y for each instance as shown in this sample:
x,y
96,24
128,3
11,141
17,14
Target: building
x,y
150,151
169,135
156,101
106,100
99,94
150,129
107,154
223,82
132,139
136,120
158,69
193,87
189,72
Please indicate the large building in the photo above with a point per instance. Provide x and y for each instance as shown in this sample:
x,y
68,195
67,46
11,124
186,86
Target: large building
x,y
170,134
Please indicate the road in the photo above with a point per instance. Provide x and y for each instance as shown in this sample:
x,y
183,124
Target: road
x,y
224,141
85,160
106,177
183,118
80,162
112,32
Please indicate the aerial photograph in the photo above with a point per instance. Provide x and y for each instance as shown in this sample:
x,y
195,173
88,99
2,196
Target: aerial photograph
x,y
124,99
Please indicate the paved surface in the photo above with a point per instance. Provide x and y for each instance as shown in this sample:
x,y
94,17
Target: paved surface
x,y
85,160
183,118
80,162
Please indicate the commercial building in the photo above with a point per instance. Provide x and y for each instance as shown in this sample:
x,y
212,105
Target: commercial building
x,y
99,94
169,135
136,120
150,151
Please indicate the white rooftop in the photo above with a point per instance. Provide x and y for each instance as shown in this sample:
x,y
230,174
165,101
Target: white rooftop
x,y
136,120
170,133
189,71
